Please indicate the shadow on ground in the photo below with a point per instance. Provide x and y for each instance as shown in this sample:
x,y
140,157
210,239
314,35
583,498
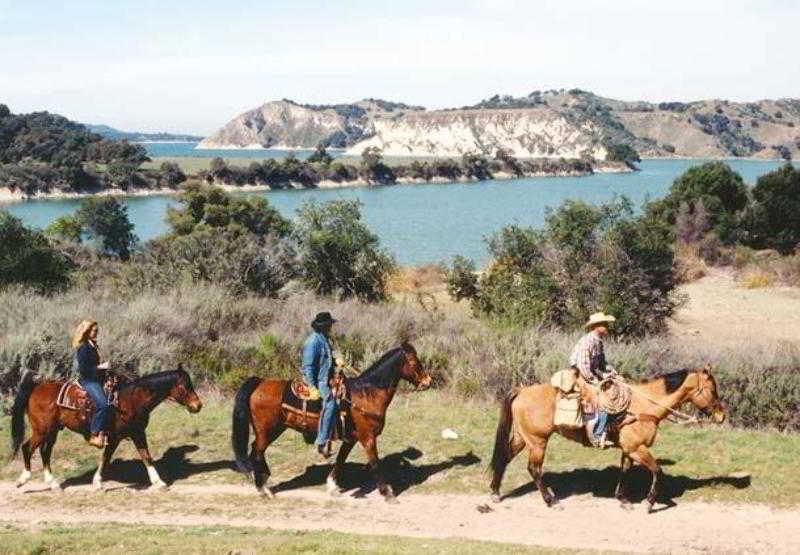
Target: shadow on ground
x,y
601,483
397,468
172,466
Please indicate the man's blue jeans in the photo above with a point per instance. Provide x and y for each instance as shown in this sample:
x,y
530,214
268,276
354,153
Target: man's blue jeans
x,y
600,423
101,407
327,418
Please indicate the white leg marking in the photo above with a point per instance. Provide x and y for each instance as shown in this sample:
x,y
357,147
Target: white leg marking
x,y
49,479
97,480
23,478
155,479
331,484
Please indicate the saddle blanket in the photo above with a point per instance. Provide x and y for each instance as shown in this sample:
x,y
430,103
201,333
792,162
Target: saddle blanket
x,y
72,396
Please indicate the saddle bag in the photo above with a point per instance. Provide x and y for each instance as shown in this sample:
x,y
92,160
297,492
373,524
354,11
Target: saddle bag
x,y
568,400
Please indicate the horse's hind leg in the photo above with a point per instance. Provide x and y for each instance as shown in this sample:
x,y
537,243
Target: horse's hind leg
x,y
105,458
261,472
535,464
46,450
514,448
30,445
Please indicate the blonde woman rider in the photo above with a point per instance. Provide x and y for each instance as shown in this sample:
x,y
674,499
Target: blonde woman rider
x,y
87,363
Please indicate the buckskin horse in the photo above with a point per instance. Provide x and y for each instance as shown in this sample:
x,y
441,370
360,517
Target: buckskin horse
x,y
526,420
136,400
259,404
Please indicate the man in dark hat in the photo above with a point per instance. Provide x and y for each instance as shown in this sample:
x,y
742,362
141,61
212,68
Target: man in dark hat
x,y
318,365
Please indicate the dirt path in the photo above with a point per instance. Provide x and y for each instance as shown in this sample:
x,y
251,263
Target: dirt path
x,y
582,522
721,310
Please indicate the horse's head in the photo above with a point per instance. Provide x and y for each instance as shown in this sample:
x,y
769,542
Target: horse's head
x,y
705,396
183,392
411,369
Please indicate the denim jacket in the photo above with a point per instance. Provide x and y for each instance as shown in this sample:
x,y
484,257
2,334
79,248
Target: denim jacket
x,y
317,359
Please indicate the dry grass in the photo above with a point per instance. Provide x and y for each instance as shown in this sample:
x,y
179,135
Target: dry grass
x,y
689,266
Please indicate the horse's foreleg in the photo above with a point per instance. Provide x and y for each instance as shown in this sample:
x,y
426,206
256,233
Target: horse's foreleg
x,y
105,458
140,441
624,465
514,448
535,464
644,457
370,444
46,450
344,452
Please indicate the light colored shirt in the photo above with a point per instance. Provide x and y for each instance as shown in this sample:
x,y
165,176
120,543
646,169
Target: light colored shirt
x,y
589,357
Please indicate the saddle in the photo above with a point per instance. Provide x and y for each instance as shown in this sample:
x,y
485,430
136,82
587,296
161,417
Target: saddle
x,y
72,396
577,401
297,399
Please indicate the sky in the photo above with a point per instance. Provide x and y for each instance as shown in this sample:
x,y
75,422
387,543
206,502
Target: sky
x,y
183,66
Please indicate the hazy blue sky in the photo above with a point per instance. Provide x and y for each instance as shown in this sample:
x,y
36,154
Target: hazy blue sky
x,y
191,66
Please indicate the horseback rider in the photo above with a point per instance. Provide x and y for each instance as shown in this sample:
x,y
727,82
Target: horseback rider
x,y
318,366
589,360
87,362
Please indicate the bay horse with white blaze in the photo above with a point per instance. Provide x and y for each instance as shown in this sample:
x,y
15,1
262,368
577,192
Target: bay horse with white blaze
x,y
259,404
527,414
136,400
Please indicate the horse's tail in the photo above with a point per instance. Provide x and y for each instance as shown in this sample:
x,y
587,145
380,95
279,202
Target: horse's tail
x,y
241,424
502,440
18,412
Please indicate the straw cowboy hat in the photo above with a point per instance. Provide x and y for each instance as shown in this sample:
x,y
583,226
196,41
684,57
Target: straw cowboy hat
x,y
599,318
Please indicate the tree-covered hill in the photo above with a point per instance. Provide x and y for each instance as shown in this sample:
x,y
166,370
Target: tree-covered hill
x,y
43,152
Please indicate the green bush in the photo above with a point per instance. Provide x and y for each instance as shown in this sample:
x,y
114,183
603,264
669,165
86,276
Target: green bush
x,y
585,259
27,257
204,207
462,280
339,254
773,219
241,262
721,191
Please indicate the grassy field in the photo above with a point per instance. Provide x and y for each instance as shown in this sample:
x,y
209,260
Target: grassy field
x,y
698,461
217,539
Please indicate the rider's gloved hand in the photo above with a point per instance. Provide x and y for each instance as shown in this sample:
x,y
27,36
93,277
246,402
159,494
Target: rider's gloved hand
x,y
313,393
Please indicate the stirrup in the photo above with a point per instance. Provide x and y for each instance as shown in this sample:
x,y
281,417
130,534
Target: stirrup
x,y
600,442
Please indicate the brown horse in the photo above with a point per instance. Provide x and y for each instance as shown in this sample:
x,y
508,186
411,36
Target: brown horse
x,y
258,404
135,402
530,411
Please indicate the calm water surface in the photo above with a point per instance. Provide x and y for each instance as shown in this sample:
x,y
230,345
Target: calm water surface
x,y
423,224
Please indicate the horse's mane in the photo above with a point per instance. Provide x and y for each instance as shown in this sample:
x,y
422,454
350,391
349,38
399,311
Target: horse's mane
x,y
673,379
380,374
158,381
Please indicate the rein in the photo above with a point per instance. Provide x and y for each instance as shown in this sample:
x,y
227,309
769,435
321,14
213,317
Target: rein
x,y
679,417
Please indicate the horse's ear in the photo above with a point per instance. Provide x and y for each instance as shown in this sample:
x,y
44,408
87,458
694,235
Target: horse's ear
x,y
180,367
707,367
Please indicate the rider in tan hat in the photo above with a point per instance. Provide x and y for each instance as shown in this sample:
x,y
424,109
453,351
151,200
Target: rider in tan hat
x,y
589,359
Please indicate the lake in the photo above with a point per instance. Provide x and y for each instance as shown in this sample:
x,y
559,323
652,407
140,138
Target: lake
x,y
429,223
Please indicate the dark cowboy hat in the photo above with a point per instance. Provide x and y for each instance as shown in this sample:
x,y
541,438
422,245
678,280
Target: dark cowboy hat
x,y
323,319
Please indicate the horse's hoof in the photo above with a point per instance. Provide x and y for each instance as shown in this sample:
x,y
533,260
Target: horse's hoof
x,y
391,499
266,493
23,478
331,485
159,486
495,497
56,487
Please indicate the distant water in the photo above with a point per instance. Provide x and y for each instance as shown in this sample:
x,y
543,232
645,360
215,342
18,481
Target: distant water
x,y
187,150
430,223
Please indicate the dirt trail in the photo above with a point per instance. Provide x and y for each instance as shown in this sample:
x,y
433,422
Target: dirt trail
x,y
581,522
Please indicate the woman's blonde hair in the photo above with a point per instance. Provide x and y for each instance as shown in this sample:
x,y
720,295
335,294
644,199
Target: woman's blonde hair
x,y
81,334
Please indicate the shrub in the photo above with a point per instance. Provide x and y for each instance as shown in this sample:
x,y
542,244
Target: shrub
x,y
721,191
26,257
585,259
207,207
105,220
462,281
241,262
622,153
374,169
754,278
339,254
773,220
67,228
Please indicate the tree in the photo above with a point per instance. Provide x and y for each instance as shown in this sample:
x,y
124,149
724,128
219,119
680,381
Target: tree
x,y
171,175
339,255
773,220
105,220
320,156
26,257
617,152
203,206
374,169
